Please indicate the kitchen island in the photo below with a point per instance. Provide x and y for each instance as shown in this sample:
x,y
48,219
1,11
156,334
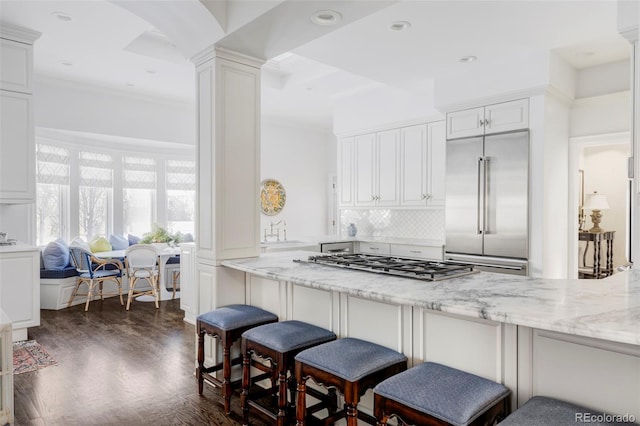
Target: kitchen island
x,y
578,340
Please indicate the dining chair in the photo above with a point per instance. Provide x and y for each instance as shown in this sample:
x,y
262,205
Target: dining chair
x,y
142,264
93,271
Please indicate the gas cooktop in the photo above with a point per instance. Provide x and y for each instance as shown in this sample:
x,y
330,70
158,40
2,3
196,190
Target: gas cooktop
x,y
426,270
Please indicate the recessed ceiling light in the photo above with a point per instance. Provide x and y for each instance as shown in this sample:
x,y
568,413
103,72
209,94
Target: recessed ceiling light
x,y
468,59
400,25
66,63
62,16
151,71
130,84
586,53
326,17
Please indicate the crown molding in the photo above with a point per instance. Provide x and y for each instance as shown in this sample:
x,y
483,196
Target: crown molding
x,y
213,52
19,34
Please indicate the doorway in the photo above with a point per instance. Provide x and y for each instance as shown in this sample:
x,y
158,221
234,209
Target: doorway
x,y
600,165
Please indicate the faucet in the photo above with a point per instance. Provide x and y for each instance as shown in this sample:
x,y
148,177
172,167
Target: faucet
x,y
277,233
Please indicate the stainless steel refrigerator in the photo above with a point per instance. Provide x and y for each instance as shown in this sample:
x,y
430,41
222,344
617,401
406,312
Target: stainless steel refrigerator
x,y
487,193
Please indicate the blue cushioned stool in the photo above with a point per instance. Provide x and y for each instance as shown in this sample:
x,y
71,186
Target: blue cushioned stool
x,y
279,343
543,411
434,394
227,324
351,366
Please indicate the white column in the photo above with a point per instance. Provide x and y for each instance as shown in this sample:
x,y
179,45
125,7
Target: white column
x,y
228,170
629,27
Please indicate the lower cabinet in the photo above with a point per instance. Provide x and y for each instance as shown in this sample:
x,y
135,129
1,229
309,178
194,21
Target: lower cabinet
x,y
20,287
6,371
598,374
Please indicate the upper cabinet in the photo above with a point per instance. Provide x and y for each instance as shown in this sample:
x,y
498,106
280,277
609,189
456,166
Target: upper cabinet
x,y
393,168
17,140
496,118
376,168
16,67
423,150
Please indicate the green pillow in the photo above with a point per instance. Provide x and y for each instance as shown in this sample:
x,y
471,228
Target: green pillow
x,y
99,244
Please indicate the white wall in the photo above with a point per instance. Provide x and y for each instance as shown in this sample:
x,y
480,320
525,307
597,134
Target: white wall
x,y
69,106
301,159
380,107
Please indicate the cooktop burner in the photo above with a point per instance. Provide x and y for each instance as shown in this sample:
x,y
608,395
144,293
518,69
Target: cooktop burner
x,y
427,270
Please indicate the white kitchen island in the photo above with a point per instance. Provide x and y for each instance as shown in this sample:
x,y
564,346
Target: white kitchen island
x,y
577,340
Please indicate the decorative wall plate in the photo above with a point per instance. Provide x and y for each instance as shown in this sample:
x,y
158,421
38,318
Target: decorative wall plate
x,y
272,197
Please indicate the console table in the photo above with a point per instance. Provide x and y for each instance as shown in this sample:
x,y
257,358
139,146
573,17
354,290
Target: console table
x,y
596,270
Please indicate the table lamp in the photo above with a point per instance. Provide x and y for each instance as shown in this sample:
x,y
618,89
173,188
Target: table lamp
x,y
596,203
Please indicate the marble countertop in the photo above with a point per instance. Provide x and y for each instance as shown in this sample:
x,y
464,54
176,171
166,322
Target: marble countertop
x,y
606,309
17,247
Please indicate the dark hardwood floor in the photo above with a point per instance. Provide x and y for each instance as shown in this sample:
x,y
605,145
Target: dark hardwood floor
x,y
118,368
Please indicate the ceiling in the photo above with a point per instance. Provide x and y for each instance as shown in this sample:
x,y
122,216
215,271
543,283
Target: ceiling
x,y
310,67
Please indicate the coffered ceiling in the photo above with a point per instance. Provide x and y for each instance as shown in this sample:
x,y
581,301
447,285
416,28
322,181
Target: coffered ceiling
x,y
143,46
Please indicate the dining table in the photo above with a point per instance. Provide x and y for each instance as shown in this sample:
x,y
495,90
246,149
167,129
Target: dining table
x,y
164,254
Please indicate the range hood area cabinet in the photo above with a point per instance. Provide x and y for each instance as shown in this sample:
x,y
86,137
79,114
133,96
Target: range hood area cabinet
x,y
496,118
402,167
17,139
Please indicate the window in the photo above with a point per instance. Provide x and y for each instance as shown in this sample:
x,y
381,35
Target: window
x,y
181,196
52,198
88,190
95,194
139,194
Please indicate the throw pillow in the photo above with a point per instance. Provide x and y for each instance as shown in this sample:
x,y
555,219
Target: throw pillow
x,y
80,242
55,255
133,240
99,244
118,242
187,238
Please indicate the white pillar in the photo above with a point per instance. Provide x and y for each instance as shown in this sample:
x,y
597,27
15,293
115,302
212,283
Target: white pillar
x,y
629,27
228,171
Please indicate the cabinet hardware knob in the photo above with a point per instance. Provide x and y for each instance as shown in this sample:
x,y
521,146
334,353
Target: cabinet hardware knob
x,y
486,122
481,123
424,197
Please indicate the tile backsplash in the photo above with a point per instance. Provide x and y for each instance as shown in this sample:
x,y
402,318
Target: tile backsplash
x,y
421,224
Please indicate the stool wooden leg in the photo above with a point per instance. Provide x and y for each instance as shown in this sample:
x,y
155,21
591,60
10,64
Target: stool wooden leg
x,y
200,369
282,396
301,407
226,376
246,383
352,414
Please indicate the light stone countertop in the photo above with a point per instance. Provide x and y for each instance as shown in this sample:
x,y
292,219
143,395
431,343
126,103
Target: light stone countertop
x,y
607,309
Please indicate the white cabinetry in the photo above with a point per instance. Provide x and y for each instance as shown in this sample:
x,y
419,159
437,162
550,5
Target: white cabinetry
x,y
17,143
376,168
373,248
188,288
423,150
418,252
496,118
20,287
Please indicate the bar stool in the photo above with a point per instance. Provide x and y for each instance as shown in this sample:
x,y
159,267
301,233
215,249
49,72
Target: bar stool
x,y
227,324
541,410
350,365
434,394
279,343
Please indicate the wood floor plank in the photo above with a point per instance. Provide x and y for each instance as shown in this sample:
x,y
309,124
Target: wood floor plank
x,y
118,367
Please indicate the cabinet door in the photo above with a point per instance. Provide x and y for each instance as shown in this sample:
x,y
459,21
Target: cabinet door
x,y
436,163
345,172
388,166
461,124
365,160
413,156
507,116
17,149
16,66
20,289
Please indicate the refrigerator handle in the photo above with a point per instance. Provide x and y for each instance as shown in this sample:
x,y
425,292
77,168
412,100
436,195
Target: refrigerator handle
x,y
479,204
485,215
